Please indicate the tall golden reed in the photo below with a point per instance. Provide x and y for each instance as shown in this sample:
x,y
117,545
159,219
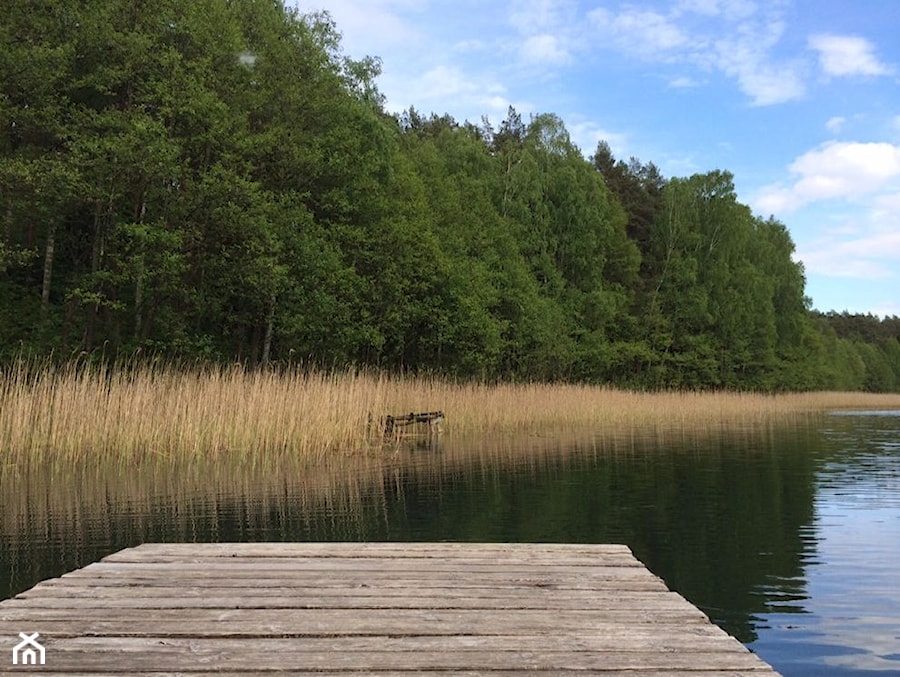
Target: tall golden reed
x,y
79,412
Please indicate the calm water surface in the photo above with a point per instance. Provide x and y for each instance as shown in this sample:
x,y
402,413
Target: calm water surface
x,y
789,538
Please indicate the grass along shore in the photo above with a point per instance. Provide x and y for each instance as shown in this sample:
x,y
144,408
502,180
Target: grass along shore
x,y
82,413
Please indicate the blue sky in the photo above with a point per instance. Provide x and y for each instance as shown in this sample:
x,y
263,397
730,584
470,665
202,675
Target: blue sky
x,y
799,99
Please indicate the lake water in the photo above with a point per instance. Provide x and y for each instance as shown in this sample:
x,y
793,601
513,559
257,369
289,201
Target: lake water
x,y
789,538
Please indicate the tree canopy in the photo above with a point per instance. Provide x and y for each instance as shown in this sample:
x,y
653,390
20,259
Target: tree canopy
x,y
216,180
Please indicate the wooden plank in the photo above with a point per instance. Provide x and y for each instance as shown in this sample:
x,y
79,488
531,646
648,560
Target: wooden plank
x,y
540,576
361,582
509,652
376,566
620,639
249,659
245,578
459,552
387,595
417,561
240,654
343,549
244,598
297,622
294,672
354,609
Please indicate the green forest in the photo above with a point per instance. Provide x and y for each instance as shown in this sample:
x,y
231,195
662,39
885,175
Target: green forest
x,y
215,181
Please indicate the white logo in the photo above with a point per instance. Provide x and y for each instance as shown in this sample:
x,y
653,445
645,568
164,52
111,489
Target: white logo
x,y
28,650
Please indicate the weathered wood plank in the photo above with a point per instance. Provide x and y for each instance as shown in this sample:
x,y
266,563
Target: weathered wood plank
x,y
363,608
600,596
435,561
387,566
244,598
458,653
295,672
708,640
407,549
244,578
249,659
99,620
362,582
574,558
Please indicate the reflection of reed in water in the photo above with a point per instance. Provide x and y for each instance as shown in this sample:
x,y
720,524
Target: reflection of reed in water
x,y
236,497
59,515
92,494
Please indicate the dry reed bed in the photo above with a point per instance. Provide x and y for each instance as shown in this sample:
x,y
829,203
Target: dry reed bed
x,y
75,413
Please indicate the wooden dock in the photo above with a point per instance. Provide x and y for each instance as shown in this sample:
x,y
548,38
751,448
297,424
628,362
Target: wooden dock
x,y
368,608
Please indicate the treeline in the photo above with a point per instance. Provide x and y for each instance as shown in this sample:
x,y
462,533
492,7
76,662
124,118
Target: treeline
x,y
215,180
864,351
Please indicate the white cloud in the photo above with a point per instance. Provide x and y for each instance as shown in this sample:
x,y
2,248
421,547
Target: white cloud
x,y
547,32
374,27
844,55
766,85
854,262
496,104
536,16
835,124
834,170
683,82
470,46
586,135
732,37
832,261
731,9
705,7
846,202
445,81
888,204
643,32
451,89
545,49
866,256
746,55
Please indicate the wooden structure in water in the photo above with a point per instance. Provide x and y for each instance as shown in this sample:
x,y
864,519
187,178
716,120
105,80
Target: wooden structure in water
x,y
428,422
368,608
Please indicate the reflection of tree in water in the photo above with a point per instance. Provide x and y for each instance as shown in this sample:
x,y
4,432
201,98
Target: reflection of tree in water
x,y
723,518
736,518
726,521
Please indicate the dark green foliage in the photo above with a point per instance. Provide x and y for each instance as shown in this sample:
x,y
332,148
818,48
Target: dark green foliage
x,y
863,350
215,180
